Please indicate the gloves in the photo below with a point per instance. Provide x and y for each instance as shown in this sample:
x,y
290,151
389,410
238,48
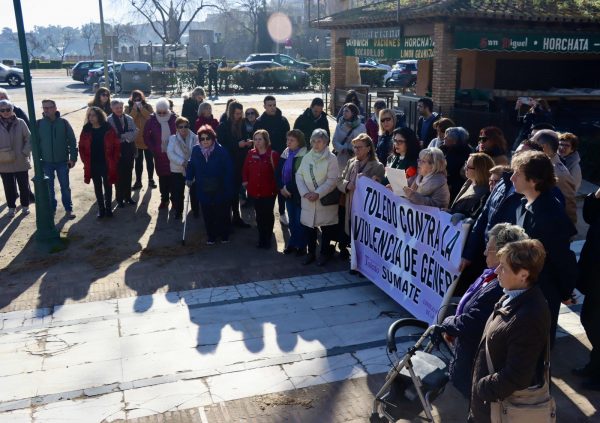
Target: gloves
x,y
456,218
189,183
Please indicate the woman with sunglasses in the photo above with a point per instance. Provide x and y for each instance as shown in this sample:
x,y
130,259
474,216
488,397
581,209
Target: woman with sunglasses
x,y
141,111
405,154
493,143
471,197
157,132
387,124
101,100
179,151
250,120
210,170
349,127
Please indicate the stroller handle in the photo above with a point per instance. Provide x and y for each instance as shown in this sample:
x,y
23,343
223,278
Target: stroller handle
x,y
391,334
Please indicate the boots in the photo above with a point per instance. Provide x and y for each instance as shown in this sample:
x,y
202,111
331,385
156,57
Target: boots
x,y
101,211
326,254
108,206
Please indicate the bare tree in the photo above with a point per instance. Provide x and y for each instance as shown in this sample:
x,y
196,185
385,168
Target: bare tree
x,y
60,39
252,10
90,34
35,43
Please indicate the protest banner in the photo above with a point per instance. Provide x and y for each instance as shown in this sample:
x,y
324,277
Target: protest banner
x,y
411,252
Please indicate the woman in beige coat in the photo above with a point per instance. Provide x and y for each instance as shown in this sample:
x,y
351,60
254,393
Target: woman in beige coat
x,y
431,186
15,148
317,177
140,111
364,163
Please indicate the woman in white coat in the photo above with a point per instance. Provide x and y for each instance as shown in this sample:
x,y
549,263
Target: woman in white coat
x,y
179,151
317,177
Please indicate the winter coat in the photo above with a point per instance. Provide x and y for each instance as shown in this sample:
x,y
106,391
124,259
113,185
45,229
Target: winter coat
x,y
231,144
291,186
325,169
566,183
307,123
18,139
470,199
342,141
128,136
112,153
467,328
385,147
371,168
152,138
214,171
432,192
277,126
431,132
189,110
57,140
201,121
21,115
456,157
409,166
179,151
517,337
140,117
372,127
259,173
572,163
588,282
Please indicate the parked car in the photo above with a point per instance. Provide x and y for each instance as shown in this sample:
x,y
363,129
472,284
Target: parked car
x,y
366,66
135,76
403,74
12,76
292,78
94,74
374,63
282,59
79,72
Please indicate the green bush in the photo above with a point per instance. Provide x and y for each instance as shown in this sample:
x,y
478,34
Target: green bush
x,y
372,77
319,77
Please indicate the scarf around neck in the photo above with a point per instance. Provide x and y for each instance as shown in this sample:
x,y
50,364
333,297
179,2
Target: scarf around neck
x,y
165,131
353,123
206,152
288,166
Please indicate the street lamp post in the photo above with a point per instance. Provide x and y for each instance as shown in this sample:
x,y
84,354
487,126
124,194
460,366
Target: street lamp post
x,y
46,234
106,80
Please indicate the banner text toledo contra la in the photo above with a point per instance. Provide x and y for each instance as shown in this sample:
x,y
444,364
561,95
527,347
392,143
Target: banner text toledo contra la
x,y
411,252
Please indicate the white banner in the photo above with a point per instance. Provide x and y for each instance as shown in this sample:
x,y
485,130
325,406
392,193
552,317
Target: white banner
x,y
411,252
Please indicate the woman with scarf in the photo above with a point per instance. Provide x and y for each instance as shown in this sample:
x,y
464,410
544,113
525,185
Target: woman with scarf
x,y
100,150
210,169
364,163
15,148
316,178
157,132
140,111
205,117
285,175
464,329
430,187
250,120
258,177
349,127
387,124
179,152
101,100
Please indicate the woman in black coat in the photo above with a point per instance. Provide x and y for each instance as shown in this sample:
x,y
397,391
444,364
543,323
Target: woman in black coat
x,y
190,106
456,151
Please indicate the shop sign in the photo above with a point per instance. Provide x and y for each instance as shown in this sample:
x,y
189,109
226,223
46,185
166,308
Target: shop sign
x,y
527,42
420,47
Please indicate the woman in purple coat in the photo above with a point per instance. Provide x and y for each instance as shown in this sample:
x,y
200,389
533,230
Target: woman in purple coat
x,y
157,131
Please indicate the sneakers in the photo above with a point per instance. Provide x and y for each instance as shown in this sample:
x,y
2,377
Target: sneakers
x,y
284,220
11,212
25,211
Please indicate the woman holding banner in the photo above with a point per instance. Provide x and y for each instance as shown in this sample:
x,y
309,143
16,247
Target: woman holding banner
x,y
364,163
404,154
430,188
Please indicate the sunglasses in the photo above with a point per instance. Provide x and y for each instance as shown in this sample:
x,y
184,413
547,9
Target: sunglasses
x,y
5,110
161,113
205,138
483,139
397,141
183,127
250,113
387,119
104,95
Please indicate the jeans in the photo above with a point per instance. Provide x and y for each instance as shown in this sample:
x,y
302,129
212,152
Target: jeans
x,y
62,173
10,188
265,219
297,231
216,220
139,164
104,198
327,235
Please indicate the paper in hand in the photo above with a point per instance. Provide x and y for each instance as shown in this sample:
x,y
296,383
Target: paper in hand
x,y
397,178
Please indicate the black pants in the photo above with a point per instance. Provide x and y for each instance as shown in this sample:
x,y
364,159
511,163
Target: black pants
x,y
103,198
265,219
139,164
212,82
235,201
342,237
125,168
164,185
177,191
327,235
10,182
216,220
281,204
590,320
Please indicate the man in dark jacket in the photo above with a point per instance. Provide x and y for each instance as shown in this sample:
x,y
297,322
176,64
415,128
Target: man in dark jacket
x,y
425,130
201,69
273,121
213,76
589,284
313,118
58,148
544,218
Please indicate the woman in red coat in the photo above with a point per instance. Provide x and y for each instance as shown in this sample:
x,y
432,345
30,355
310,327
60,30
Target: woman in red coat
x,y
258,175
100,149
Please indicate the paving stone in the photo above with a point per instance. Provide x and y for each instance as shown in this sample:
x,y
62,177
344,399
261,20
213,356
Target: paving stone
x,y
104,408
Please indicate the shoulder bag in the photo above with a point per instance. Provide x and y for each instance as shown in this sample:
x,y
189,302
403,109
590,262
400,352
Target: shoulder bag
x,y
7,155
333,198
530,405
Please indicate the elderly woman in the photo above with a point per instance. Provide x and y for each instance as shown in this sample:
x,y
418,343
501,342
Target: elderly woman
x,y
250,120
387,123
100,150
205,117
141,111
15,148
258,177
456,151
349,127
157,132
210,169
405,153
440,127
316,178
430,187
465,328
493,143
516,335
364,163
567,150
179,152
191,103
285,175
474,192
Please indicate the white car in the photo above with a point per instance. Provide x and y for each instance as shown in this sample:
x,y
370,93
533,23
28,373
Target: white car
x,y
373,64
12,76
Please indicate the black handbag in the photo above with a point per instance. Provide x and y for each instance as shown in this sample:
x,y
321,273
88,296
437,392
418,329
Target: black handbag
x,y
333,198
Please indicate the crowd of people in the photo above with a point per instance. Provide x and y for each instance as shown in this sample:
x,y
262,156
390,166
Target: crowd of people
x,y
517,266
